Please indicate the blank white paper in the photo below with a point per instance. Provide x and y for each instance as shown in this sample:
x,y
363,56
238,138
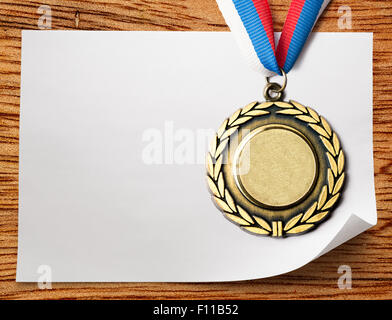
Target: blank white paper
x,y
90,206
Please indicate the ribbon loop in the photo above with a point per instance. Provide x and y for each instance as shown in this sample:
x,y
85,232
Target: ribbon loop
x,y
251,23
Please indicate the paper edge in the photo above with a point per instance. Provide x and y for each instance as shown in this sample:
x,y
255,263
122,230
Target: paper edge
x,y
345,234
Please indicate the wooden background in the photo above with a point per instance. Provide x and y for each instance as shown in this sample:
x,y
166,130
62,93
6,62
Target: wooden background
x,y
369,255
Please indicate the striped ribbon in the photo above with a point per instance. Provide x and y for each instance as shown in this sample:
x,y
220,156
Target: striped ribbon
x,y
251,23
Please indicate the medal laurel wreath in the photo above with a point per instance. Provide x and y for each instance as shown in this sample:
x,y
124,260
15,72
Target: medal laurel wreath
x,y
329,194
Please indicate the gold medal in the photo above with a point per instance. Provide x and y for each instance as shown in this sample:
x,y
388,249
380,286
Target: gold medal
x,y
276,168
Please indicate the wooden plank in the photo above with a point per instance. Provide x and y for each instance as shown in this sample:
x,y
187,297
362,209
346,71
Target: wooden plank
x,y
369,255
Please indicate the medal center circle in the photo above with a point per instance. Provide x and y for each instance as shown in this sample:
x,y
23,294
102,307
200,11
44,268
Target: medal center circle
x,y
275,165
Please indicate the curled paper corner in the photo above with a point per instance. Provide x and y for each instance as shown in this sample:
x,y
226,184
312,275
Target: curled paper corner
x,y
353,226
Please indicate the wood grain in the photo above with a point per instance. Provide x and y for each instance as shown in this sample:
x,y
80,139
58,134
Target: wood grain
x,y
369,255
